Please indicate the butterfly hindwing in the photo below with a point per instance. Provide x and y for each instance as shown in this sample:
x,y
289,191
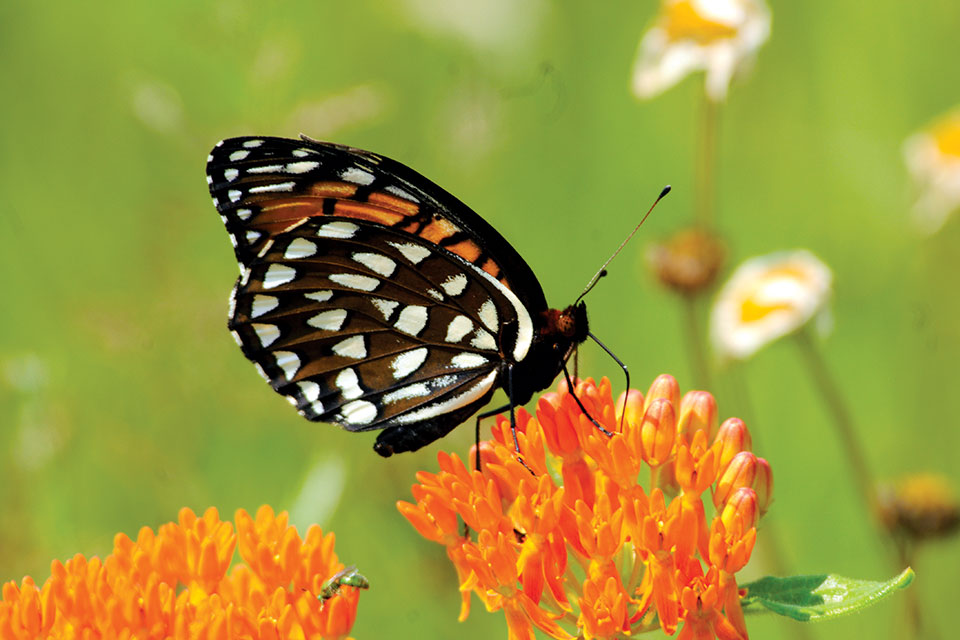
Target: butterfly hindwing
x,y
367,327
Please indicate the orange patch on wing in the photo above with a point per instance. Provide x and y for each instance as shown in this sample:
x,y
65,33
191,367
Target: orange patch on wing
x,y
277,215
365,211
491,267
332,189
394,203
437,230
468,250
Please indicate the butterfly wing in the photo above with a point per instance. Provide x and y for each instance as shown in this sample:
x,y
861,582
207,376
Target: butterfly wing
x,y
368,296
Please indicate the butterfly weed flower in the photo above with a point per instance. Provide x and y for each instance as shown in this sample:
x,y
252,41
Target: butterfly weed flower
x,y
933,160
596,536
177,582
719,37
768,297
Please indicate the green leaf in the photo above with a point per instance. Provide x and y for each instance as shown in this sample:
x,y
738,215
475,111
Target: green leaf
x,y
820,597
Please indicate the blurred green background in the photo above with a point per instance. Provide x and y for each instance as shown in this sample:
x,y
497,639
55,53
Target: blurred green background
x,y
123,397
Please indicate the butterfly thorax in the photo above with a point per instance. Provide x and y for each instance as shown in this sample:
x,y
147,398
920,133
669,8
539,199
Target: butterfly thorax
x,y
557,333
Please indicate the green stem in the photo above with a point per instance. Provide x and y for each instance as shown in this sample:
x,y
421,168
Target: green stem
x,y
829,391
695,344
705,174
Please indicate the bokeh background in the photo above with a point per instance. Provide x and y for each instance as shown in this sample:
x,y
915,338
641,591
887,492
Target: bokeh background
x,y
123,397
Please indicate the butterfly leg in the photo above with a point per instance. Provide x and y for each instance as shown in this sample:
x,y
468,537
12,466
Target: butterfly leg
x,y
622,366
566,376
486,414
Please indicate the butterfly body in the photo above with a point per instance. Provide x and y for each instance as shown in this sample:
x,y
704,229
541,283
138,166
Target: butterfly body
x,y
372,298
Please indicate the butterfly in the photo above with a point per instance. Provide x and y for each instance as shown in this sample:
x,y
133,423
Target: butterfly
x,y
371,298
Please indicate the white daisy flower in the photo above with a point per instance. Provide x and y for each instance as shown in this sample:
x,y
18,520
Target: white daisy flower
x,y
719,37
933,159
768,297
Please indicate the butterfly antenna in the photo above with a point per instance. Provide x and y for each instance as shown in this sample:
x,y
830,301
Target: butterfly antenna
x,y
603,270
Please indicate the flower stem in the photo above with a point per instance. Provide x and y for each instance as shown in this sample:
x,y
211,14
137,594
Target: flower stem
x,y
705,174
695,344
852,446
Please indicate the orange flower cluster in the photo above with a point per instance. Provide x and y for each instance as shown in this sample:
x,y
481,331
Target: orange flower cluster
x,y
174,584
578,548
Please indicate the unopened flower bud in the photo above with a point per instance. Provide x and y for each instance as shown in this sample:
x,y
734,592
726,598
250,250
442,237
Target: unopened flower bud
x,y
630,406
698,410
665,386
741,505
763,485
658,432
689,260
733,437
741,472
921,506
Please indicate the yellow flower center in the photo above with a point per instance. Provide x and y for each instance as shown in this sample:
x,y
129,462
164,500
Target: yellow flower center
x,y
947,136
683,21
754,307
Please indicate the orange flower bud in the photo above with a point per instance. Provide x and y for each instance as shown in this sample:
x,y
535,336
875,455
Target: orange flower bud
x,y
658,432
742,505
630,405
741,472
665,386
763,485
698,410
733,437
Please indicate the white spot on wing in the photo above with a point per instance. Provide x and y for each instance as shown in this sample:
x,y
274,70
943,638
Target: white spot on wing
x,y
357,175
300,167
252,236
459,327
467,360
349,384
252,144
310,391
299,248
435,294
385,307
239,155
400,193
412,252
288,361
408,362
358,412
472,394
319,296
524,323
339,229
454,285
352,347
244,214
330,320
266,333
416,390
262,305
278,274
488,314
230,174
355,281
279,186
483,340
303,153
266,168
377,263
412,320
234,194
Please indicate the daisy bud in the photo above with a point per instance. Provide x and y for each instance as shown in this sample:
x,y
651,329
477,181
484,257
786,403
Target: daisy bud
x,y
688,261
920,506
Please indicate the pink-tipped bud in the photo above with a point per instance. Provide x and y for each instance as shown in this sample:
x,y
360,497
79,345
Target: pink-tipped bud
x,y
630,406
742,505
658,432
698,410
733,437
763,485
665,386
741,472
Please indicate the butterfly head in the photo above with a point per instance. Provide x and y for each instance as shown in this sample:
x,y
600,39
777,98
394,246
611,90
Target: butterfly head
x,y
565,328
